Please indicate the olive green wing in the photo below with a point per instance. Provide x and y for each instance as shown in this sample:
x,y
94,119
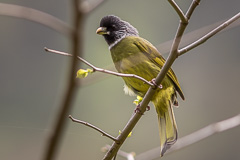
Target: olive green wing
x,y
152,53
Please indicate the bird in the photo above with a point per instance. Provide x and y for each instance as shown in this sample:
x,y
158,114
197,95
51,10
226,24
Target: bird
x,y
132,54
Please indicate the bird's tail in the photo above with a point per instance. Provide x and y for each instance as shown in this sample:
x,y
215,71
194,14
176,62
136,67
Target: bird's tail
x,y
167,129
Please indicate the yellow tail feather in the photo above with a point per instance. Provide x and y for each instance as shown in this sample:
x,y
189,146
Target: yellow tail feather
x,y
167,129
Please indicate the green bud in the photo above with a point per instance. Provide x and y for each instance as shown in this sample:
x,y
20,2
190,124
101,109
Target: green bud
x,y
82,73
138,100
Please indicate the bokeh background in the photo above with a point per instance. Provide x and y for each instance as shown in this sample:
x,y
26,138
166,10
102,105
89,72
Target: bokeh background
x,y
32,82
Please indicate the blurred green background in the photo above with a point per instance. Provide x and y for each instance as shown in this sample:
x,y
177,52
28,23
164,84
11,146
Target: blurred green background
x,y
32,82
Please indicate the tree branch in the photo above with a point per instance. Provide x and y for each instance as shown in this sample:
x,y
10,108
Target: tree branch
x,y
94,127
35,16
100,69
76,49
192,7
148,96
209,35
179,11
194,137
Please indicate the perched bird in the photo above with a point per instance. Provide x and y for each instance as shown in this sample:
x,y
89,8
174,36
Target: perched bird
x,y
134,55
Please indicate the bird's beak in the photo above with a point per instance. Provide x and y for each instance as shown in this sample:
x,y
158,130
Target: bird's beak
x,y
102,31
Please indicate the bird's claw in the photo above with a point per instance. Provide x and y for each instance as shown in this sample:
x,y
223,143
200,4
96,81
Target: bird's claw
x,y
153,81
138,110
148,108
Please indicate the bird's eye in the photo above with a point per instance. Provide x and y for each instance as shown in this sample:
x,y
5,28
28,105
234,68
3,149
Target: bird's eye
x,y
114,27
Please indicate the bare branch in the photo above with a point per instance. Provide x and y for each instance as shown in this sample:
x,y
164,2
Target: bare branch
x,y
179,11
194,137
100,69
192,7
35,16
94,127
76,49
209,35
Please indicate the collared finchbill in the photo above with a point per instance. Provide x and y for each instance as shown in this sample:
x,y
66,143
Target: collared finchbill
x,y
132,54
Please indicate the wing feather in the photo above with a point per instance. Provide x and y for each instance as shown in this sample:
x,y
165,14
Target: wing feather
x,y
152,53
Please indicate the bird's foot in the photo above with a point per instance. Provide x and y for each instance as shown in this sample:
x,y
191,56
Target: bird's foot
x,y
153,81
148,108
137,102
138,110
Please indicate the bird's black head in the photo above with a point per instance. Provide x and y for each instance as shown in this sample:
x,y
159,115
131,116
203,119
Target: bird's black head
x,y
114,29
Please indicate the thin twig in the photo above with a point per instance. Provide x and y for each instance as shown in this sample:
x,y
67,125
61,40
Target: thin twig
x,y
100,69
194,137
35,16
76,49
148,96
196,34
94,127
192,7
209,35
179,11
